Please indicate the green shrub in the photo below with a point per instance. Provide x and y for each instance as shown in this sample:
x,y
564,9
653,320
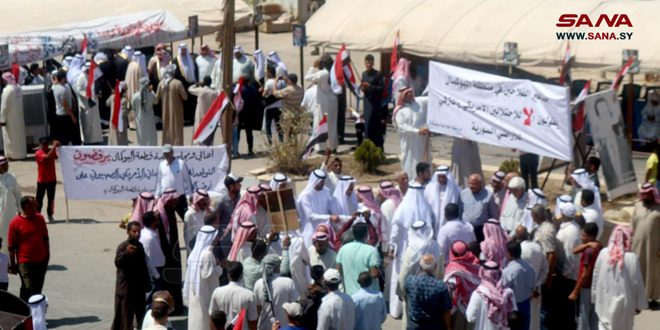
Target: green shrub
x,y
509,165
285,156
367,157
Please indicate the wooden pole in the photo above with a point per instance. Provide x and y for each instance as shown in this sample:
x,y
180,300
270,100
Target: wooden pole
x,y
227,74
629,106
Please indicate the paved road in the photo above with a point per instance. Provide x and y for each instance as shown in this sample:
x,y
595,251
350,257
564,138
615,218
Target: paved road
x,y
81,277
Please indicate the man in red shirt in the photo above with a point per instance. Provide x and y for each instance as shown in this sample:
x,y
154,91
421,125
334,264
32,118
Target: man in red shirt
x,y
29,250
46,179
582,291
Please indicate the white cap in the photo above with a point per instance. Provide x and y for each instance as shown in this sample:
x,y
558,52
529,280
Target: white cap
x,y
516,182
332,276
293,309
418,224
167,148
567,210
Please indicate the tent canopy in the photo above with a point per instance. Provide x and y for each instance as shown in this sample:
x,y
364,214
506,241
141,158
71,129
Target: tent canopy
x,y
474,31
20,16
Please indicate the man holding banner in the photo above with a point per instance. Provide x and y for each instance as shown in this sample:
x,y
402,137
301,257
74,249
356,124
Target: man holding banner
x,y
410,120
173,173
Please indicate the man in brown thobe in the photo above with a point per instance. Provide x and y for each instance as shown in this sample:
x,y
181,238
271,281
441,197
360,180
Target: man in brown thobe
x,y
646,240
171,95
133,281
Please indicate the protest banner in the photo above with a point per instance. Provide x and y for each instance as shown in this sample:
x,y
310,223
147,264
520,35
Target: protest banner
x,y
119,172
281,206
512,113
608,131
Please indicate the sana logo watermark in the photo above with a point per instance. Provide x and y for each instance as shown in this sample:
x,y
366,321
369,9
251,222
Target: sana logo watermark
x,y
578,22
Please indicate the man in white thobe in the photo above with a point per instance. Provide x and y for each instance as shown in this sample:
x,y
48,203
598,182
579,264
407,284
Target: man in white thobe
x,y
413,207
326,101
194,217
441,191
649,129
205,62
88,112
337,310
12,120
513,206
242,67
414,135
315,206
465,160
173,173
273,291
10,197
617,287
533,254
202,277
345,196
568,237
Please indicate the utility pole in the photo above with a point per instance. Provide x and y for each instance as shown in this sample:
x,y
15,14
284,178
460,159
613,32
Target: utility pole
x,y
227,73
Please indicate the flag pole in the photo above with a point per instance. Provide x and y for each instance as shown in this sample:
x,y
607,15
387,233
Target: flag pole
x,y
227,73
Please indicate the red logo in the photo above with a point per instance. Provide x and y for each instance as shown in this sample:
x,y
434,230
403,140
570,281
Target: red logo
x,y
528,116
583,20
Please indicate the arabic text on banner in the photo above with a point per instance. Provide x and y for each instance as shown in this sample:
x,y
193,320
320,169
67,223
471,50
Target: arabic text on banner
x,y
511,113
608,131
110,172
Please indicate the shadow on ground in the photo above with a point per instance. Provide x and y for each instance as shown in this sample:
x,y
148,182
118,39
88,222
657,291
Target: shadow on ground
x,y
76,221
57,268
70,321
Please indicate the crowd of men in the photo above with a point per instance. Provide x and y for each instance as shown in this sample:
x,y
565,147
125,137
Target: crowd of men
x,y
446,250
132,91
437,255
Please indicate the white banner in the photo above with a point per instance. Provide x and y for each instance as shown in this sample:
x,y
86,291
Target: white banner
x,y
608,131
117,172
140,29
511,113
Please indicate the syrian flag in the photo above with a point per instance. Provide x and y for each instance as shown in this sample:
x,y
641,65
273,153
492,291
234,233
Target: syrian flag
x,y
623,72
394,58
238,95
83,47
16,72
565,74
117,121
211,118
93,74
342,73
578,122
239,320
319,136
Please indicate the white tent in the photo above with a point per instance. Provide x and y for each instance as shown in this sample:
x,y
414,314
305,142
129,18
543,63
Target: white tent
x,y
138,29
474,31
27,15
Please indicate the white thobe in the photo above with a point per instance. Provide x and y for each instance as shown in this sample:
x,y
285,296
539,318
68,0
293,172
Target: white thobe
x,y
593,215
283,291
10,197
204,66
11,113
333,178
205,96
327,260
198,304
512,212
316,208
299,265
145,119
387,208
568,236
89,117
326,103
617,292
216,76
230,299
152,249
533,254
414,147
193,221
242,67
465,160
337,312
477,311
